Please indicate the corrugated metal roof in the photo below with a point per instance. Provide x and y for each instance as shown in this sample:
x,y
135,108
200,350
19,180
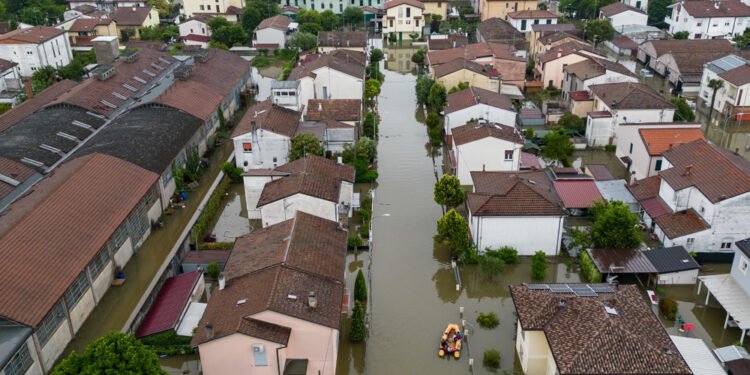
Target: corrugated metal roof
x,y
170,303
622,261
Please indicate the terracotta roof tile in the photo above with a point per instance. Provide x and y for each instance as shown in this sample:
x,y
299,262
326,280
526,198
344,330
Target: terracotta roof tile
x,y
624,42
617,8
629,95
513,194
660,140
585,339
276,22
165,313
532,14
690,45
33,35
270,117
577,193
460,64
131,16
563,50
474,131
342,39
334,109
49,248
452,41
645,188
88,24
655,207
475,95
680,223
264,330
313,175
499,30
716,9
737,76
393,3
192,97
473,51
348,63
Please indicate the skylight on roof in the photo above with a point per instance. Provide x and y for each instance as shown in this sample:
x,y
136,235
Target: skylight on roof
x,y
131,88
152,74
119,96
157,66
139,79
82,125
108,104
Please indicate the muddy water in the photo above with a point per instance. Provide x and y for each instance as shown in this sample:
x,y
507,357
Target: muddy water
x,y
232,221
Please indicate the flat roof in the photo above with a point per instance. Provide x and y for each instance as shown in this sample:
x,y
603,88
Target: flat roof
x,y
697,355
731,296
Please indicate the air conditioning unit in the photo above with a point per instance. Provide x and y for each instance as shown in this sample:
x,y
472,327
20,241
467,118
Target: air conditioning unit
x,y
258,348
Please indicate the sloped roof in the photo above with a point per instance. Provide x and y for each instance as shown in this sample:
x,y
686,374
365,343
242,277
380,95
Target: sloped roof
x,y
645,188
452,41
577,193
131,16
313,175
265,330
690,45
617,8
33,35
655,207
738,76
717,173
269,117
629,95
393,3
671,259
473,51
342,62
475,131
192,97
34,103
342,39
549,38
565,49
52,244
716,9
462,63
333,109
171,301
513,194
680,223
493,29
88,24
475,95
600,172
625,261
660,140
585,339
276,22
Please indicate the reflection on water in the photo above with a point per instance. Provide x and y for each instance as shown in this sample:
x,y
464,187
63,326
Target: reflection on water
x,y
232,222
188,364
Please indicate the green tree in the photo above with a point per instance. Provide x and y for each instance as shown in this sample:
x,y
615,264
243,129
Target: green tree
x,y
438,96
308,16
304,144
418,57
715,85
43,78
213,269
329,20
358,330
256,11
539,265
370,126
303,41
312,28
459,87
681,35
454,230
657,10
376,56
360,288
165,8
432,120
448,191
230,35
364,149
572,122
163,33
557,145
491,359
742,39
372,88
217,22
115,353
353,16
234,173
598,31
683,112
423,87
614,227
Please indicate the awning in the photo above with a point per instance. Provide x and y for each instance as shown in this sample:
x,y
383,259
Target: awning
x,y
731,296
512,91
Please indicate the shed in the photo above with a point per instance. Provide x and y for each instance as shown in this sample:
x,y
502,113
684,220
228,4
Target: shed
x,y
577,194
731,353
621,261
200,259
599,172
172,303
531,117
617,190
698,356
674,265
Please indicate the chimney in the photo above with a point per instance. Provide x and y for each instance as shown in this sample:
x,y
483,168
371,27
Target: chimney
x,y
133,9
106,49
209,330
688,169
222,281
716,4
312,300
252,124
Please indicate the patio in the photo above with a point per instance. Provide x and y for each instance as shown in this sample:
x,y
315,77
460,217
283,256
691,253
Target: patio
x,y
732,297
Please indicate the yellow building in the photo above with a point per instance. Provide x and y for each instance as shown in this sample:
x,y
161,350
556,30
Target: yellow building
x,y
591,329
549,41
439,7
403,17
501,8
454,72
83,30
130,21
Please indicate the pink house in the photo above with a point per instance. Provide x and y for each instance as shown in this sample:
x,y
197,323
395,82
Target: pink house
x,y
278,306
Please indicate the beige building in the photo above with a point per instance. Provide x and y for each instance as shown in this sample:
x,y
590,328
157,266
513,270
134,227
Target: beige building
x,y
452,73
84,30
540,30
543,44
329,41
130,21
550,67
501,8
403,17
501,57
225,8
591,329
436,7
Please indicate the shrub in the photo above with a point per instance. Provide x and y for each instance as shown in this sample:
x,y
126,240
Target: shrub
x,y
538,265
210,209
488,320
433,120
286,71
235,174
470,256
590,272
360,288
213,269
668,307
448,191
491,265
358,331
216,246
354,241
491,359
508,254
261,61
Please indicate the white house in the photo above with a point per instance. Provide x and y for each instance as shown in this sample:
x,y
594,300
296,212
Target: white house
x,y
593,71
638,4
640,145
36,47
230,9
194,26
673,265
287,94
707,189
619,14
522,20
10,81
735,72
619,103
518,209
315,185
483,146
403,17
108,5
338,75
709,19
475,104
262,139
272,32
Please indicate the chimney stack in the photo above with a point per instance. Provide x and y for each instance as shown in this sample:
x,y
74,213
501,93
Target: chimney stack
x,y
312,300
688,169
222,281
209,330
106,49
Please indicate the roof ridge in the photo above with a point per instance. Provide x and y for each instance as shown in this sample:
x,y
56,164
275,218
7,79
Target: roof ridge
x,y
273,285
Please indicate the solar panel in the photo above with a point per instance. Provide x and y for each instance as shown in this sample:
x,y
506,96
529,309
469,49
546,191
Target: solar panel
x,y
579,287
537,287
601,288
564,288
585,293
729,62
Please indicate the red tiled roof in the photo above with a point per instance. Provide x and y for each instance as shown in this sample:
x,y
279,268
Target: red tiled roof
x,y
33,35
265,330
88,24
15,170
600,172
655,207
532,14
206,256
313,175
461,63
474,131
131,16
50,247
629,95
393,3
624,42
530,161
334,109
192,97
680,224
600,114
170,303
617,8
579,95
197,38
276,22
716,9
475,95
342,39
738,76
269,117
645,188
660,140
474,51
577,193
513,194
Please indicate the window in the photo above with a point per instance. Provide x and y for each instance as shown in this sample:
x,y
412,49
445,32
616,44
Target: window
x,y
247,147
408,12
690,242
400,22
726,245
390,23
657,167
49,325
166,177
207,7
699,24
697,36
400,12
76,290
743,264
259,355
631,148
507,5
408,22
536,22
202,7
440,5
274,159
508,154
549,22
726,23
523,25
417,22
120,236
101,260
20,363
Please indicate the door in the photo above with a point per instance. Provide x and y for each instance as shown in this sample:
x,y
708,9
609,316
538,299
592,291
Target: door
x,y
638,4
523,25
325,92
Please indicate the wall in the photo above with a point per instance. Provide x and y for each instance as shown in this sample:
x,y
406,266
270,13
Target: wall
x,y
474,79
742,277
640,4
194,27
338,85
553,70
498,231
682,277
270,150
253,188
284,209
55,345
437,7
520,26
270,35
500,9
643,164
124,253
55,52
598,131
485,154
402,23
317,343
35,368
533,352
82,309
233,354
628,18
705,28
307,91
103,281
209,6
581,108
483,111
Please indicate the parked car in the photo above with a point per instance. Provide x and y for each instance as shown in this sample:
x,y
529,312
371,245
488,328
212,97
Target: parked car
x,y
646,73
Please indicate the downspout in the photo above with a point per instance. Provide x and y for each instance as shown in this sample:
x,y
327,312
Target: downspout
x,y
557,244
278,365
708,25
